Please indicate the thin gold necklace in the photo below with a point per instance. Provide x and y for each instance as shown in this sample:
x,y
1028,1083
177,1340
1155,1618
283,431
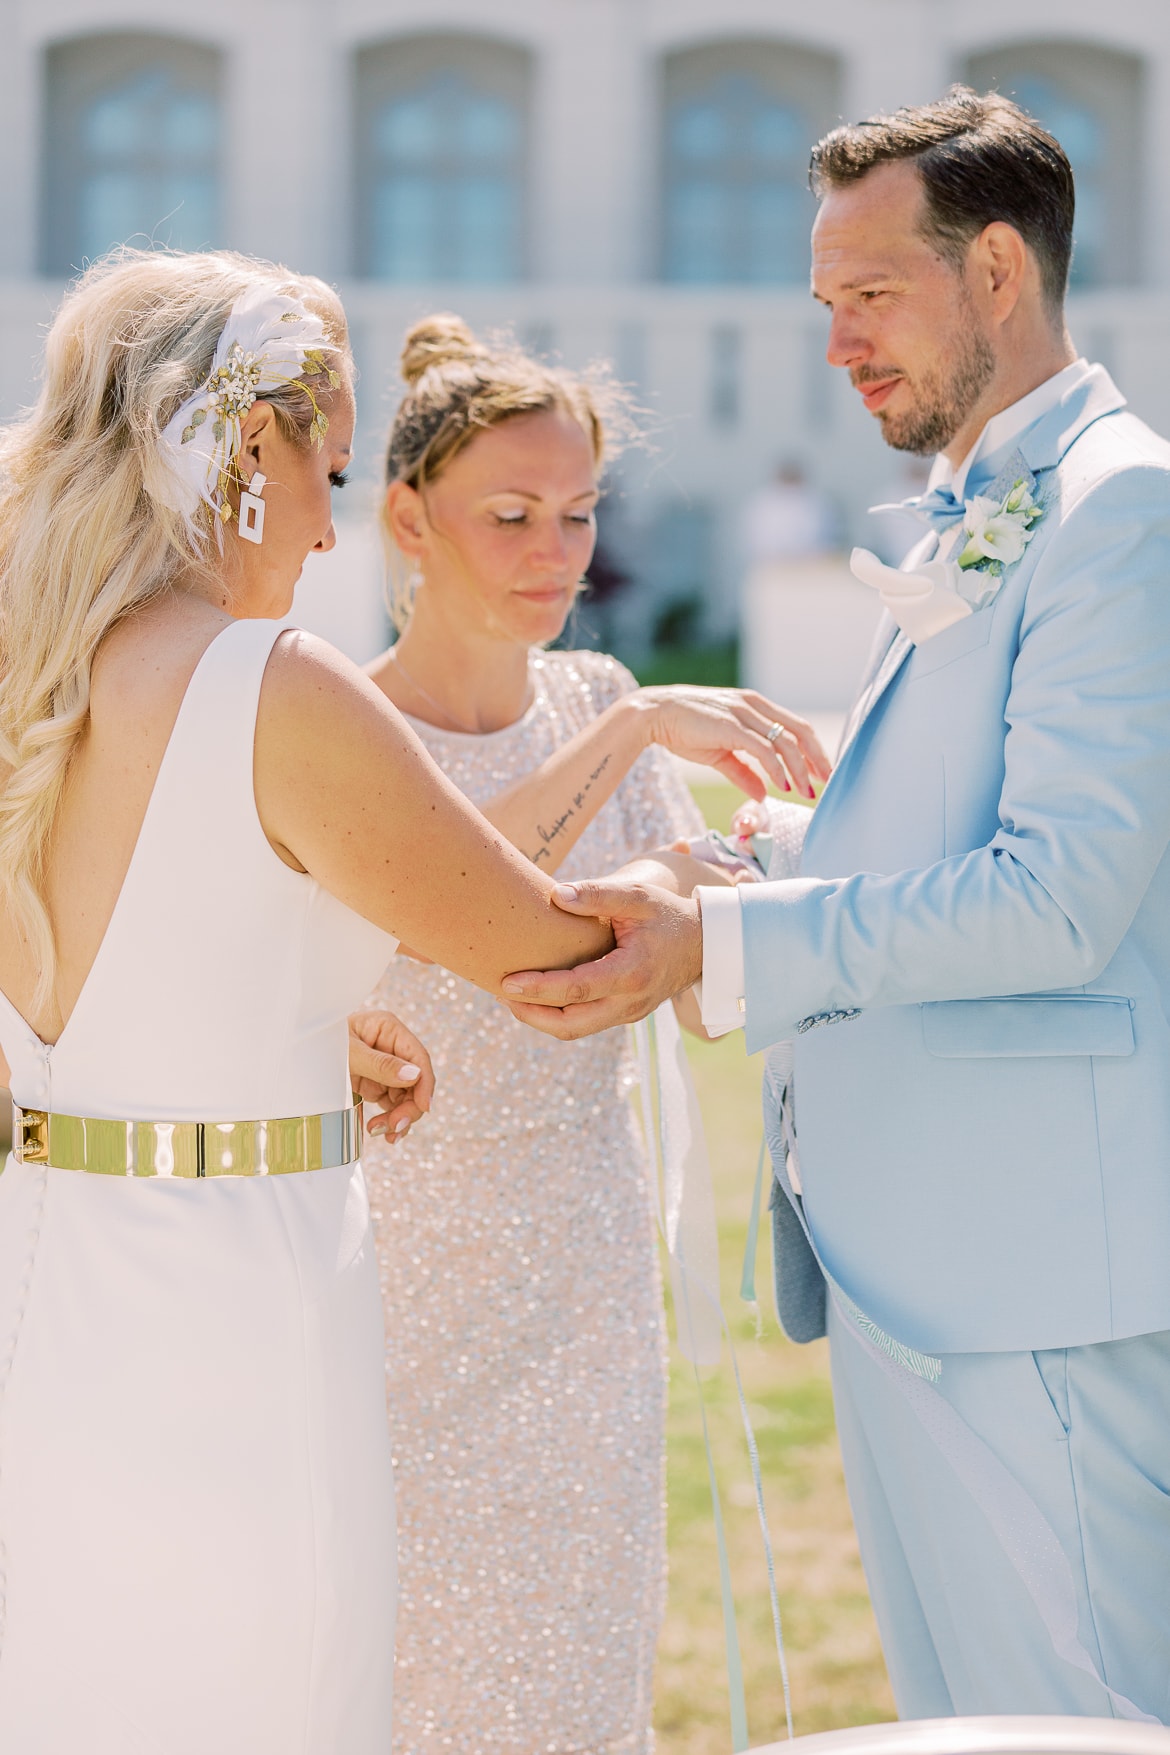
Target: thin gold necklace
x,y
444,712
468,730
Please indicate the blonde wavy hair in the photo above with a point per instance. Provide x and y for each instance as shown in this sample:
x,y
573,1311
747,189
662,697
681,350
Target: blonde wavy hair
x,y
86,536
458,386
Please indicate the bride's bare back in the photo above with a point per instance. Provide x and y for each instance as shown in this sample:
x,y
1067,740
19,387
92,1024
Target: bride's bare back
x,y
139,678
343,788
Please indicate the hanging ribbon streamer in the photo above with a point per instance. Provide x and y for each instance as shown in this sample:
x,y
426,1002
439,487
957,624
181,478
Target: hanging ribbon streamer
x,y
692,1237
685,1203
747,1278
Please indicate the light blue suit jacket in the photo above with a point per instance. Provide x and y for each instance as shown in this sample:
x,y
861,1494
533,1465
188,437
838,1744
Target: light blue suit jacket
x,y
985,1147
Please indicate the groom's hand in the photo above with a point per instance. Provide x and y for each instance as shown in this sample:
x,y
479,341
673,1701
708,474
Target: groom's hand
x,y
659,952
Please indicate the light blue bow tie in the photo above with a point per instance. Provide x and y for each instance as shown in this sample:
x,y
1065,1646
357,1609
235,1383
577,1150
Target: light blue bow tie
x,y
939,508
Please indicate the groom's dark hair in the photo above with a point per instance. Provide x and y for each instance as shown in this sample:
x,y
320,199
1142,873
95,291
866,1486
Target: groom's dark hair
x,y
981,159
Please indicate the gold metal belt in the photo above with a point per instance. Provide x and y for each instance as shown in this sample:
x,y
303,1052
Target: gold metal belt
x,y
187,1148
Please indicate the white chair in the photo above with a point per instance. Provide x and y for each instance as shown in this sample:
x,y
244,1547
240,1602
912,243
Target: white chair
x,y
985,1736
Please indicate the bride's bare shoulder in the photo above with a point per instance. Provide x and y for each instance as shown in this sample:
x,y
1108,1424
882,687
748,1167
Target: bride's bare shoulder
x,y
311,690
303,663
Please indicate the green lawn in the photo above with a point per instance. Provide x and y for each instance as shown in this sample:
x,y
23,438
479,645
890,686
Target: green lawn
x,y
715,665
835,1663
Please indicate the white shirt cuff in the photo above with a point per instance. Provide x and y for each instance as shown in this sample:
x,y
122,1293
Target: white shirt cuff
x,y
721,991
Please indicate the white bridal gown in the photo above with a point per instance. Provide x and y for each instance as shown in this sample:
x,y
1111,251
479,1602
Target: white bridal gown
x,y
196,1507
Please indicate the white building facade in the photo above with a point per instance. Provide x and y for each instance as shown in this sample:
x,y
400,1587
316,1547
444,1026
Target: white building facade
x,y
620,179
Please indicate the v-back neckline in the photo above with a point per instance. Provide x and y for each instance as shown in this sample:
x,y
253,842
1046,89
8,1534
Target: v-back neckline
x,y
17,1015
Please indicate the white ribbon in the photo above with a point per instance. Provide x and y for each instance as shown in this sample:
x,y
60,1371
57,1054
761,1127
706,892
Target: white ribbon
x,y
686,1217
692,1238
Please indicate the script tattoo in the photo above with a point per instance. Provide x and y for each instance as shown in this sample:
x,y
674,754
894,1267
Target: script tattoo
x,y
548,833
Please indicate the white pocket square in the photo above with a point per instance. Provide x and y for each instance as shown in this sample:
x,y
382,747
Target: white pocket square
x,y
922,603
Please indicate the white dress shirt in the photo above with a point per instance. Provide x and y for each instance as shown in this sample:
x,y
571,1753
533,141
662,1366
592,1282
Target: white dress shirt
x,y
721,990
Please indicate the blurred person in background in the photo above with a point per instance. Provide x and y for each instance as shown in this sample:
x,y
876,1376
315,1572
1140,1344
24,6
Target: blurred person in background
x,y
519,1267
788,519
797,639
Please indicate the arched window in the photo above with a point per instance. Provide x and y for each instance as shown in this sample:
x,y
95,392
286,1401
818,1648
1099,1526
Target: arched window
x,y
442,126
738,122
132,146
1091,98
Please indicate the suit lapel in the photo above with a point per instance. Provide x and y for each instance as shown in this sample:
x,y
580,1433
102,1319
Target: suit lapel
x,y
884,637
896,654
887,655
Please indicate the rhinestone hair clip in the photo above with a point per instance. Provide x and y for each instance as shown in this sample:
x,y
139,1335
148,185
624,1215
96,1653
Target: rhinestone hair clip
x,y
269,341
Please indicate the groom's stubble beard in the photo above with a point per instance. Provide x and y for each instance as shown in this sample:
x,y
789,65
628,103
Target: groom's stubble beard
x,y
943,400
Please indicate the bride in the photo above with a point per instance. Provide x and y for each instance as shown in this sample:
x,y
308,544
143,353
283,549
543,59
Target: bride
x,y
211,833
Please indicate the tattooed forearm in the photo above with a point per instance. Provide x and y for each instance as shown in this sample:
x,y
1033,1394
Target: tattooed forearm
x,y
550,832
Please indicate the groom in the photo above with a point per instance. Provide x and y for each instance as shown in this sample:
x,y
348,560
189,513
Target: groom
x,y
975,959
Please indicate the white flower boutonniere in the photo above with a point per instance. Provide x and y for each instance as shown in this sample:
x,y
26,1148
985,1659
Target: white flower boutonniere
x,y
996,530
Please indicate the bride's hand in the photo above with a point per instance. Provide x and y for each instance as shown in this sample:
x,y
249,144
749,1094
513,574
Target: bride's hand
x,y
389,1066
717,727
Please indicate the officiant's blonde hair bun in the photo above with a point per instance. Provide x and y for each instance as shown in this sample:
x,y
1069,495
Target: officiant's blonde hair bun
x,y
459,385
438,341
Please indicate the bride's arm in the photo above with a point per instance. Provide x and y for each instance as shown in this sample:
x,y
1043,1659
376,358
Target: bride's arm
x,y
545,813
346,792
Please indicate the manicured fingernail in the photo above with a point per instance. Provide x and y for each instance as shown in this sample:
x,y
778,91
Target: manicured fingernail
x,y
787,788
401,1126
512,987
812,791
568,891
408,1072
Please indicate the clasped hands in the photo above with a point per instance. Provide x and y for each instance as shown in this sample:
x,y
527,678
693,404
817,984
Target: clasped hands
x,y
658,947
658,953
658,939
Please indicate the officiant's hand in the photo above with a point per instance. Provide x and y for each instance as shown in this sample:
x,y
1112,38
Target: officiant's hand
x,y
717,727
659,952
389,1066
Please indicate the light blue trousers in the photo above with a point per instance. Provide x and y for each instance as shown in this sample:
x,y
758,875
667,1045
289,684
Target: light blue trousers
x,y
967,1627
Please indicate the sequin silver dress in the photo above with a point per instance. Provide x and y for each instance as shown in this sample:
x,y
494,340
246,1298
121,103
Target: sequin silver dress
x,y
525,1358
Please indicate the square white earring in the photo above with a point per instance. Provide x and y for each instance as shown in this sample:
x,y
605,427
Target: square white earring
x,y
252,509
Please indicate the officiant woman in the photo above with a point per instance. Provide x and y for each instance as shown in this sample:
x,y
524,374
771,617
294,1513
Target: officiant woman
x,y
516,1245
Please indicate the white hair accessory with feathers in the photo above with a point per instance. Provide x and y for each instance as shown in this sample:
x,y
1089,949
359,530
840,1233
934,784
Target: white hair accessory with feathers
x,y
268,342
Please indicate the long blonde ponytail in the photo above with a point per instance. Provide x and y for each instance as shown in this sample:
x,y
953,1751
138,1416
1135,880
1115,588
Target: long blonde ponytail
x,y
86,534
